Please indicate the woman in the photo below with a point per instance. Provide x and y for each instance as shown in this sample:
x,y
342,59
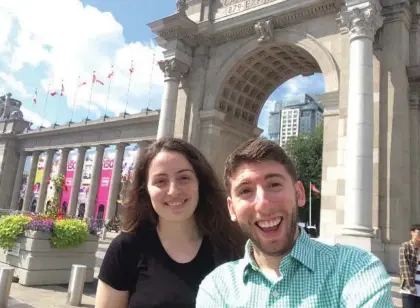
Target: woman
x,y
176,230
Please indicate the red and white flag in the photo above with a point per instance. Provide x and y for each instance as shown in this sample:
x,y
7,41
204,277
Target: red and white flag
x,y
132,67
94,79
35,96
314,189
110,75
62,89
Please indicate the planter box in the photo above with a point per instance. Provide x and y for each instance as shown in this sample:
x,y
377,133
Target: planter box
x,y
37,262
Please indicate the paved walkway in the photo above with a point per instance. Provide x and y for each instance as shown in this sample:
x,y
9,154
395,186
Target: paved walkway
x,y
56,296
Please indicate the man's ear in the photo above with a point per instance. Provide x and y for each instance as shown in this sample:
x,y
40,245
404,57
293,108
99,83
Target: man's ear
x,y
231,211
300,194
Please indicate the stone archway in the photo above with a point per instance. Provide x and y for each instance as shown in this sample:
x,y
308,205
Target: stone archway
x,y
296,45
247,76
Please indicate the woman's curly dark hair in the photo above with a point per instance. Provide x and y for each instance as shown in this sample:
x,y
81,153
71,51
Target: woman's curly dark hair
x,y
211,215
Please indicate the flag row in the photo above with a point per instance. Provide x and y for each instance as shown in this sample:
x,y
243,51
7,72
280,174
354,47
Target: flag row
x,y
80,83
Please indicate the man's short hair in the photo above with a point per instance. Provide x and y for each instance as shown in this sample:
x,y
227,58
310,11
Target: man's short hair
x,y
253,151
415,227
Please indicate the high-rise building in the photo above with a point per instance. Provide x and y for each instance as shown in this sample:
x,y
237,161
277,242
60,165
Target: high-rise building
x,y
294,116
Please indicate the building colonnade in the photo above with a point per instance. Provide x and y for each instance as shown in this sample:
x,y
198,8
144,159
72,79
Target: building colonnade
x,y
114,187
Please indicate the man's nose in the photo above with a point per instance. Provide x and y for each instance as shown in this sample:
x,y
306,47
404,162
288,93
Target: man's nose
x,y
261,201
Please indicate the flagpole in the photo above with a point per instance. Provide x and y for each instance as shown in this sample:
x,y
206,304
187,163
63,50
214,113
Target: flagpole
x,y
74,102
109,88
59,100
310,204
45,107
151,82
90,97
128,89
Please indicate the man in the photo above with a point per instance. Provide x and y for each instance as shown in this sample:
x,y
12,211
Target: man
x,y
410,270
282,266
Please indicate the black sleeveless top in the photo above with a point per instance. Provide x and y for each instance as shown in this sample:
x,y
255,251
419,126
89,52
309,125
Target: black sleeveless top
x,y
138,263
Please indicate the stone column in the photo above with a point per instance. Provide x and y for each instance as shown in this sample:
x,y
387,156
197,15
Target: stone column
x,y
173,69
62,167
94,181
115,181
414,159
30,181
40,205
77,178
362,21
18,180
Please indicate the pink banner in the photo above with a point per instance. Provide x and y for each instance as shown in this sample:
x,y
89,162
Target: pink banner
x,y
104,186
71,166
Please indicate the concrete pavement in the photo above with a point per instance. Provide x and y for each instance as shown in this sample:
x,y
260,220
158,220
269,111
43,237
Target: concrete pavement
x,y
55,296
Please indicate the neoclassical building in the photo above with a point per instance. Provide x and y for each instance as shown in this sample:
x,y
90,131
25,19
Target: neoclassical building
x,y
222,60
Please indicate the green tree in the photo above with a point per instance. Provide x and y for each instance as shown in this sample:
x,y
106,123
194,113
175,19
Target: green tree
x,y
306,151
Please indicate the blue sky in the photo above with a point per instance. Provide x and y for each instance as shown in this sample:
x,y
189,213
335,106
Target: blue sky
x,y
46,41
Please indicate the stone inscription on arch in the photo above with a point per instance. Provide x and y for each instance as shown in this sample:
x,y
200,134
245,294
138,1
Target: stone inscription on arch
x,y
230,7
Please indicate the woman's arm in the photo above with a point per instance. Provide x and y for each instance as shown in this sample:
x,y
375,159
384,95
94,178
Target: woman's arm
x,y
108,297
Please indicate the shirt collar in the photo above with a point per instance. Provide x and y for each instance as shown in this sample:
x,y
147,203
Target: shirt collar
x,y
303,251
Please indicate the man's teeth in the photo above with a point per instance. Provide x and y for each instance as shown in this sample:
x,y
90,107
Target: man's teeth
x,y
269,223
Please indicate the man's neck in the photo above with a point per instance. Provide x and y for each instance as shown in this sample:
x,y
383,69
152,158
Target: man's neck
x,y
271,264
178,232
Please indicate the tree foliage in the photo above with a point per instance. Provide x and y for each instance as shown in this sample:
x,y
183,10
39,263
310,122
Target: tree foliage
x,y
306,151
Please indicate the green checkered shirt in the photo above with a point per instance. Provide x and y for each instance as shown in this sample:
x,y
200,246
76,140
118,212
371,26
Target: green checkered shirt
x,y
312,275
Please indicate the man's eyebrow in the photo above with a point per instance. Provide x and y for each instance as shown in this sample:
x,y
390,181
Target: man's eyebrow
x,y
266,177
274,175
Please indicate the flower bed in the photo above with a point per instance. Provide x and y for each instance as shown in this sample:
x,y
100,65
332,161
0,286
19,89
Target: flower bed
x,y
42,249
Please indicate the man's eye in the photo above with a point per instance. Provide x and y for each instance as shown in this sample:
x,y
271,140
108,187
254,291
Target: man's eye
x,y
244,191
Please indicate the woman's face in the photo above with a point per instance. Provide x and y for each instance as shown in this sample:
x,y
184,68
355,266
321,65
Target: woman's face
x,y
172,186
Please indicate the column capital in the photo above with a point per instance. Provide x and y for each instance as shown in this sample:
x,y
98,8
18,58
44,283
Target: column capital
x,y
173,69
413,98
36,153
51,151
121,146
362,20
101,147
65,150
82,149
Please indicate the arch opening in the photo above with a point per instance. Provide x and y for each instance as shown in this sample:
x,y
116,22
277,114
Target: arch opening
x,y
254,77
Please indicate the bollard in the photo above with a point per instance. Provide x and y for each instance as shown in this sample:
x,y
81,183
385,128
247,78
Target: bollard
x,y
103,235
6,277
76,284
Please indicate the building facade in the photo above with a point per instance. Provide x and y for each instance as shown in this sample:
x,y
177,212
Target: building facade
x,y
294,116
223,59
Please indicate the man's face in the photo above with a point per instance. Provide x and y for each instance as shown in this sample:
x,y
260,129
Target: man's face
x,y
415,236
264,200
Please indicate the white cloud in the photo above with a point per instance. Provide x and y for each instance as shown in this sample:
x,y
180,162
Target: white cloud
x,y
301,84
74,41
34,118
11,84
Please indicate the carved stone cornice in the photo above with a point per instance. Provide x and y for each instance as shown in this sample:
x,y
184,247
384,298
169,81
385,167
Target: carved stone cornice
x,y
398,12
264,30
173,69
168,29
362,21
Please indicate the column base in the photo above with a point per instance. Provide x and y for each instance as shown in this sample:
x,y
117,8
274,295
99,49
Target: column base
x,y
369,244
358,231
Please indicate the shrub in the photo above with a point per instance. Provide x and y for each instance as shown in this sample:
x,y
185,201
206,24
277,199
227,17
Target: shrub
x,y
69,233
10,228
